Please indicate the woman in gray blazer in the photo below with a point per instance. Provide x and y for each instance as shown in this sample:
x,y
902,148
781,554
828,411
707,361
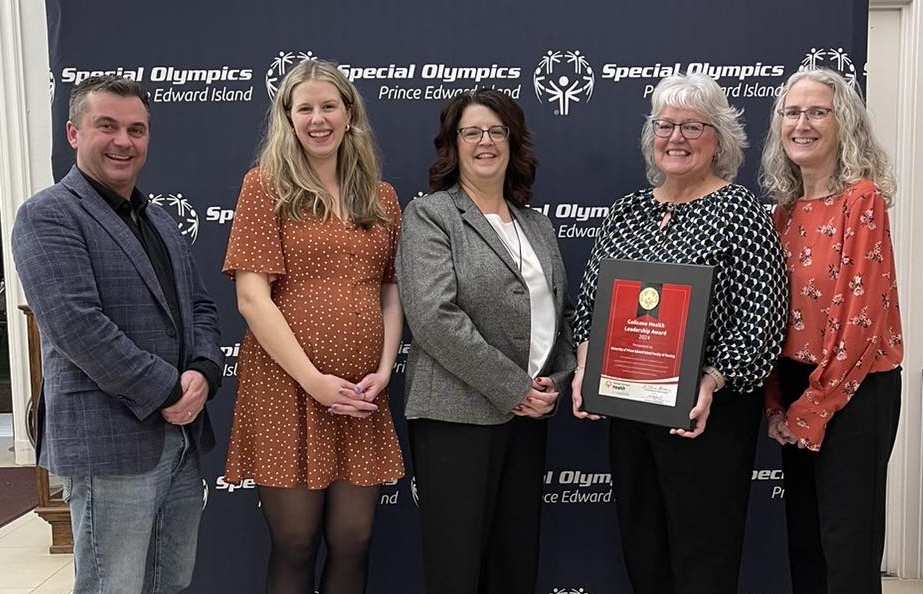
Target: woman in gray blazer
x,y
483,288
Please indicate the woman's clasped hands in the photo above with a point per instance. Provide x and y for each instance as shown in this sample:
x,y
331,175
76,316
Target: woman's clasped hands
x,y
342,397
540,400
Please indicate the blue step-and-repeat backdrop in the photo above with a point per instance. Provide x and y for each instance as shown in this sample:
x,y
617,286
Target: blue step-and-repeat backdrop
x,y
582,70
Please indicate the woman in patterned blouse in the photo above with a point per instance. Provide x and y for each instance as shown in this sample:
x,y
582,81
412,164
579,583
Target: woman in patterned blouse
x,y
834,396
681,495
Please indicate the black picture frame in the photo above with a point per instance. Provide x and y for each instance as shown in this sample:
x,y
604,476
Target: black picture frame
x,y
700,279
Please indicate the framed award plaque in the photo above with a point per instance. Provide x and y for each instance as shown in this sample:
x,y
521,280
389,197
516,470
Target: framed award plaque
x,y
647,341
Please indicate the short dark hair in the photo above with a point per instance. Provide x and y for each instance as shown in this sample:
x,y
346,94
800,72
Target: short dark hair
x,y
109,83
520,172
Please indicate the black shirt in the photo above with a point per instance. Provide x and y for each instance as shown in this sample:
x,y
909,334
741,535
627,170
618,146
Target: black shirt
x,y
132,212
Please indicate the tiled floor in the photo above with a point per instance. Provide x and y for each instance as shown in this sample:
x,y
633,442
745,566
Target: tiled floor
x,y
26,567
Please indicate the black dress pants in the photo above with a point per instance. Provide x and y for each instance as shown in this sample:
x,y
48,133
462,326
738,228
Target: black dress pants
x,y
480,493
682,503
835,498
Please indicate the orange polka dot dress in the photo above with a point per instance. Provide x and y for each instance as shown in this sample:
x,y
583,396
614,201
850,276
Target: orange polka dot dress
x,y
328,287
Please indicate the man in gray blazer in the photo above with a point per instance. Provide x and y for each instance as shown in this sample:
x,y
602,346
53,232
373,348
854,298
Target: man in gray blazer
x,y
130,352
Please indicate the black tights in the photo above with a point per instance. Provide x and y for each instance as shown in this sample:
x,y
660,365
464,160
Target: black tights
x,y
296,517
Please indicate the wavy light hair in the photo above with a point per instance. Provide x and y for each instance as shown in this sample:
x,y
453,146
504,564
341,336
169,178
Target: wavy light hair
x,y
701,94
861,156
286,169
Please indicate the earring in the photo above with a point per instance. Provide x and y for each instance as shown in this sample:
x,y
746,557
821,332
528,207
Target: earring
x,y
347,127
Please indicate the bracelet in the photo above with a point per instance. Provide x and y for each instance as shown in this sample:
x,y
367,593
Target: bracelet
x,y
716,375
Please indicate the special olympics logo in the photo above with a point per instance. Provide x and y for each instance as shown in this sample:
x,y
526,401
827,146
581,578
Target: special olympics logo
x,y
204,494
413,491
568,591
51,86
183,212
562,78
835,59
280,65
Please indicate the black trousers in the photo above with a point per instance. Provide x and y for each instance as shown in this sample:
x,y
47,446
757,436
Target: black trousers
x,y
835,498
480,492
682,504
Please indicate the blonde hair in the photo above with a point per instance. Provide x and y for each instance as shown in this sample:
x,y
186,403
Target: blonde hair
x,y
284,166
699,93
860,156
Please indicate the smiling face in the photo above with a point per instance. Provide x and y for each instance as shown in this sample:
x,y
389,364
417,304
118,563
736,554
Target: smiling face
x,y
111,139
319,117
680,158
811,144
485,160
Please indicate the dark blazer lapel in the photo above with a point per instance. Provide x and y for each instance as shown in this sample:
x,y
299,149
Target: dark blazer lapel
x,y
472,215
96,206
165,226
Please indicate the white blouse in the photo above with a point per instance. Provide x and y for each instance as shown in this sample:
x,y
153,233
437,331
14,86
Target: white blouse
x,y
540,296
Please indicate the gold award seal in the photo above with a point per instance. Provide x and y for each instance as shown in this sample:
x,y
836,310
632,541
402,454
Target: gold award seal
x,y
649,298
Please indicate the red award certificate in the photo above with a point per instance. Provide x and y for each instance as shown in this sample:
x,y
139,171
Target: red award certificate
x,y
644,358
642,353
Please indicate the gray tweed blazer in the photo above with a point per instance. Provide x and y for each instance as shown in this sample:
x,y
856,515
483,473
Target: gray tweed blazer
x,y
109,344
468,309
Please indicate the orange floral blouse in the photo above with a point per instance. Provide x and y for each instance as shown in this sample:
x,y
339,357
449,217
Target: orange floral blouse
x,y
844,314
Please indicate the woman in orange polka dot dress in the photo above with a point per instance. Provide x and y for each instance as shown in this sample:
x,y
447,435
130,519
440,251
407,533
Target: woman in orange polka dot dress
x,y
312,252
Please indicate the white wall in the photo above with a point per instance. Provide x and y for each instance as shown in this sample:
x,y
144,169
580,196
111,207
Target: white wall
x,y
895,98
25,167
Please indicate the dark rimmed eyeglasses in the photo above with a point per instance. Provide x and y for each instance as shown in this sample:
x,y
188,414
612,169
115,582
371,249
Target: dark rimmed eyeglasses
x,y
473,134
689,130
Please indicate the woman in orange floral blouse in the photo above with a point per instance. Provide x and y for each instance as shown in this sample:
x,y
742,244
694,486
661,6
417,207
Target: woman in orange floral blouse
x,y
834,396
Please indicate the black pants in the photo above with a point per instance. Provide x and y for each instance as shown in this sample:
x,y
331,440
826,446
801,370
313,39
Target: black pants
x,y
682,504
835,498
480,490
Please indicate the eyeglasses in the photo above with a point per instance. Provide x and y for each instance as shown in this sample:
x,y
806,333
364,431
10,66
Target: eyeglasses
x,y
689,130
473,134
793,114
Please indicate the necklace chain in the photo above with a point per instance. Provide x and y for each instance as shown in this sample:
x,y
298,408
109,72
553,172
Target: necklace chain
x,y
503,240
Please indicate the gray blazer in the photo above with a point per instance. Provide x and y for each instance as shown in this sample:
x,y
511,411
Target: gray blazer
x,y
468,309
108,340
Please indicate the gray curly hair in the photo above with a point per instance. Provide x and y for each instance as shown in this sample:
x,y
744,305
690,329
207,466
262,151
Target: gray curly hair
x,y
861,156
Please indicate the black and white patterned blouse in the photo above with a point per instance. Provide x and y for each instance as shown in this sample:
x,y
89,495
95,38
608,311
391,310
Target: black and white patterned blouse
x,y
728,229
